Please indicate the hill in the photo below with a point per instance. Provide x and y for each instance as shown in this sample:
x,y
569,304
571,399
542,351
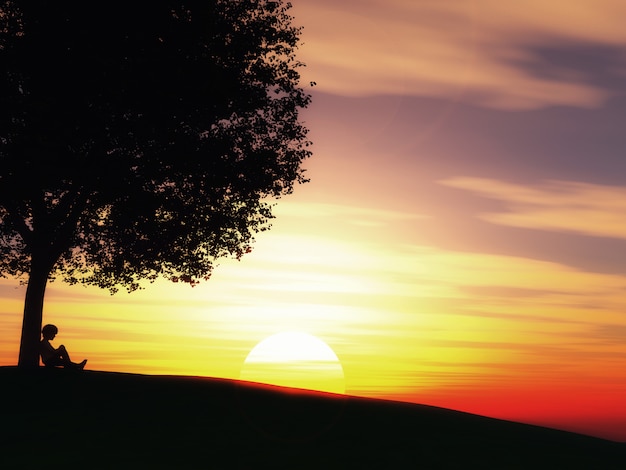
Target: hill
x,y
90,420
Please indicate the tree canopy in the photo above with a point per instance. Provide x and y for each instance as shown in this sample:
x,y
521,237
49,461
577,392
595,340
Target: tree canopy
x,y
141,139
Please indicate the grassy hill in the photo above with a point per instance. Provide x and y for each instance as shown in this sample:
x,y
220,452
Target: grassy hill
x,y
92,420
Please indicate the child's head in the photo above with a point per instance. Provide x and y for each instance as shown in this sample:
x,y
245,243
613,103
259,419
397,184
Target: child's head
x,y
49,331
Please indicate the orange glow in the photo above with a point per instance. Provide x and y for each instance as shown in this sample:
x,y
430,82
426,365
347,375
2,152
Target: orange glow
x,y
409,322
464,336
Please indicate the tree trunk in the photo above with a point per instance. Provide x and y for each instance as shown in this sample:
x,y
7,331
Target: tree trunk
x,y
33,314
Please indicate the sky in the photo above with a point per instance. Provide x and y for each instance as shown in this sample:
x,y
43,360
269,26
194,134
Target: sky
x,y
462,241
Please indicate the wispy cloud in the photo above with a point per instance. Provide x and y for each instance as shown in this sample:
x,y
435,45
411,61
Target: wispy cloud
x,y
589,209
348,214
482,48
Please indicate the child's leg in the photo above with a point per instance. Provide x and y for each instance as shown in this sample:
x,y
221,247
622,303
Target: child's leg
x,y
63,359
63,354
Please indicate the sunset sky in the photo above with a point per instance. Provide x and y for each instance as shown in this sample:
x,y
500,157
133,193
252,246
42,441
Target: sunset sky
x,y
462,242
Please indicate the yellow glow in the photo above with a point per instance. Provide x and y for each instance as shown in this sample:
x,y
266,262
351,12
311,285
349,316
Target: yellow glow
x,y
294,359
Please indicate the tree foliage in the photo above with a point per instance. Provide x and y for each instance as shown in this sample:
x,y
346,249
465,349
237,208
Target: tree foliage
x,y
143,139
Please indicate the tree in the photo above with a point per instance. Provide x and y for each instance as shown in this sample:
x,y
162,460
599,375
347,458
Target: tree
x,y
141,139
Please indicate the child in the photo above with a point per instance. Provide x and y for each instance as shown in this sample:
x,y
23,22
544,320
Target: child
x,y
56,357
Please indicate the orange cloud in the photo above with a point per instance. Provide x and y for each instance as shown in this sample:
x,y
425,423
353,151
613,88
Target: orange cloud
x,y
589,209
468,50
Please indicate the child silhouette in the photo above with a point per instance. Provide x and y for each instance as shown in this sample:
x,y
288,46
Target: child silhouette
x,y
53,357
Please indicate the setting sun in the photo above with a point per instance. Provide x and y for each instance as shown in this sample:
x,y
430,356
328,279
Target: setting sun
x,y
295,359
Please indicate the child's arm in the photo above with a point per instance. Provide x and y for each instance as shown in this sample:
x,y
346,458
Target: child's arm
x,y
47,350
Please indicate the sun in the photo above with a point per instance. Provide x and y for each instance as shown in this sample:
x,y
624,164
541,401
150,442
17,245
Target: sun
x,y
295,359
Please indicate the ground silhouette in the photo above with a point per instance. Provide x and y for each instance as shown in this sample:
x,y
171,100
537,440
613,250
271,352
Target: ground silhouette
x,y
92,419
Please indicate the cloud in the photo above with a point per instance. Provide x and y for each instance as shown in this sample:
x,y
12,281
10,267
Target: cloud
x,y
361,216
477,51
566,206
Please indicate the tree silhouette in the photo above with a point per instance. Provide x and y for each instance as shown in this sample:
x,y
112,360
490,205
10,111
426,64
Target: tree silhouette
x,y
141,139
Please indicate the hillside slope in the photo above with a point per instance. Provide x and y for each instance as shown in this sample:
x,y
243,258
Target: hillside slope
x,y
64,419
